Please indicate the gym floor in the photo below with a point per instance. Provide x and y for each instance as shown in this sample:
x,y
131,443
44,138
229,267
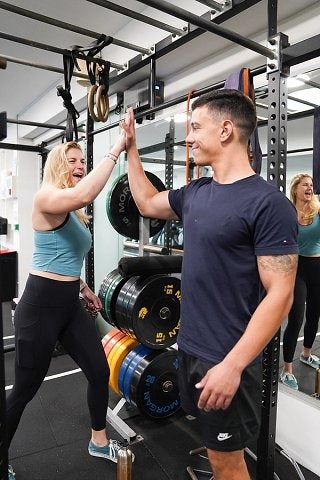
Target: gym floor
x,y
52,438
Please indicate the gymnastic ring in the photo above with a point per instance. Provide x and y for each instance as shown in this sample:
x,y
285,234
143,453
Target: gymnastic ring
x,y
102,102
91,95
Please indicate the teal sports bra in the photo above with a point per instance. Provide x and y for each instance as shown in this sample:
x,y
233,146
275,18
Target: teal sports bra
x,y
63,249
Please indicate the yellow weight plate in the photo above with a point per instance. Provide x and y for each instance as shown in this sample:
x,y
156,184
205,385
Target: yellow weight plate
x,y
115,359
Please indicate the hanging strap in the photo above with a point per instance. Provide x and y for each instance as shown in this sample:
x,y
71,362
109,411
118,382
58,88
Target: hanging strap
x,y
65,93
92,50
316,151
98,76
242,80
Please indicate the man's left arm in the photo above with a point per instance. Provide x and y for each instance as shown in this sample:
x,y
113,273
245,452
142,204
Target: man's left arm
x,y
277,274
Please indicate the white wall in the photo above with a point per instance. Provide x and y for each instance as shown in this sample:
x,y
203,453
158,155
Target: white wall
x,y
298,427
29,164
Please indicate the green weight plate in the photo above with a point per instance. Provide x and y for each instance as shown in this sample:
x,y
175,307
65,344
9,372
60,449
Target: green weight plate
x,y
102,293
122,211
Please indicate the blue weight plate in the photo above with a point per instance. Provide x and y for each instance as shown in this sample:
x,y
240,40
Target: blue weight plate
x,y
144,351
124,366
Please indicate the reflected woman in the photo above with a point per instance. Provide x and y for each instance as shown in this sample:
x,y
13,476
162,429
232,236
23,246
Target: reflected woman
x,y
307,286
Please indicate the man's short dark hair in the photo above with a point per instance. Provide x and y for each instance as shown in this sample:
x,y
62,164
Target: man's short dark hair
x,y
232,104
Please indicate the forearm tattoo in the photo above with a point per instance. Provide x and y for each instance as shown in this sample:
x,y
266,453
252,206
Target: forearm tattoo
x,y
278,263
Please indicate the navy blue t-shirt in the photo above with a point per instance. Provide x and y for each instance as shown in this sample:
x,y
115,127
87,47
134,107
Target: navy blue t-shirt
x,y
225,227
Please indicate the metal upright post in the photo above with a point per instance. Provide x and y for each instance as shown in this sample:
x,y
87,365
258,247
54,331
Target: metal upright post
x,y
169,151
3,443
89,263
276,174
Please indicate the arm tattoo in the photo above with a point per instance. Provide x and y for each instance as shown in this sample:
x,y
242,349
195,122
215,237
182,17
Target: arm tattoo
x,y
278,263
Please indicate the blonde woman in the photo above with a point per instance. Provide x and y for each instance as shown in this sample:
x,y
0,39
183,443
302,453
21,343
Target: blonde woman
x,y
50,309
307,286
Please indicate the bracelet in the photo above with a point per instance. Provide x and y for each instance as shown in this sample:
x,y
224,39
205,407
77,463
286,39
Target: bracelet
x,y
112,156
83,286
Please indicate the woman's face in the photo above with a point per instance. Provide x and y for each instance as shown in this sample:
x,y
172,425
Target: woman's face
x,y
304,191
76,164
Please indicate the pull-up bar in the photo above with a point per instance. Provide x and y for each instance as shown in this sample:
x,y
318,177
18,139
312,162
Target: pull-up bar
x,y
138,16
68,26
51,48
178,12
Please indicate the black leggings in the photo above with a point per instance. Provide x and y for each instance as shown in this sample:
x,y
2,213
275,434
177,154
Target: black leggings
x,y
50,310
306,301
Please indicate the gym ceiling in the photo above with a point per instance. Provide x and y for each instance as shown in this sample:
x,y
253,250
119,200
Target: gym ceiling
x,y
31,29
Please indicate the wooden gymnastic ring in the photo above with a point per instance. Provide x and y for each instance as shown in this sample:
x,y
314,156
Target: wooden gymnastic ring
x,y
91,94
102,102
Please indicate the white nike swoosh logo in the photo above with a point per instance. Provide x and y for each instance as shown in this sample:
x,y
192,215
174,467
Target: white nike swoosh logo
x,y
223,436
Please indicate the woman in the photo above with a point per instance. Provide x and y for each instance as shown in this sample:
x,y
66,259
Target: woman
x,y
307,286
50,309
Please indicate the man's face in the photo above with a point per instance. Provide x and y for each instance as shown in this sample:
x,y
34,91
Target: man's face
x,y
204,136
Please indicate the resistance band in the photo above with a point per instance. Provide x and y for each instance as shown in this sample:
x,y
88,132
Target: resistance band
x,y
242,80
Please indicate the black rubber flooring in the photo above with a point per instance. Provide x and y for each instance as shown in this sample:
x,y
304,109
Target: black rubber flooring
x,y
52,438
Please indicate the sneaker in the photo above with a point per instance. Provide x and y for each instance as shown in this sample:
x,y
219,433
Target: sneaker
x,y
289,379
109,451
313,361
11,474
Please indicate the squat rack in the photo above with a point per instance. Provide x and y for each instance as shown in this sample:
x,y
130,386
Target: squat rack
x,y
281,57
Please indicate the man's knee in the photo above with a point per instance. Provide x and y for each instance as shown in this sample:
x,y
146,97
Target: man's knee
x,y
228,465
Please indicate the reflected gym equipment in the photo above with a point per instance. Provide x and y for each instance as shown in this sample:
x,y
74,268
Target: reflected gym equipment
x,y
122,211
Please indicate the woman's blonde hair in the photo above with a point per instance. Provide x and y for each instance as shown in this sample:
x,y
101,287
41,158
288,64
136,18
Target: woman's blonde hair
x,y
313,206
57,173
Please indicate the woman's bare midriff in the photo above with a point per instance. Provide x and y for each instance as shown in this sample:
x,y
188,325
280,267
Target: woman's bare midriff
x,y
54,276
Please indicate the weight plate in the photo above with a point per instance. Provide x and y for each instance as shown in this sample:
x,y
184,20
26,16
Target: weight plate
x,y
112,342
145,351
122,211
154,384
102,293
109,335
116,357
123,379
112,295
153,310
120,307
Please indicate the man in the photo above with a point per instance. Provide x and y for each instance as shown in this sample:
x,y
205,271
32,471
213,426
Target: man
x,y
238,272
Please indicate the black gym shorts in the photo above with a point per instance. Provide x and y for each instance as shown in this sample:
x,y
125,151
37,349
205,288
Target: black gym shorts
x,y
223,430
